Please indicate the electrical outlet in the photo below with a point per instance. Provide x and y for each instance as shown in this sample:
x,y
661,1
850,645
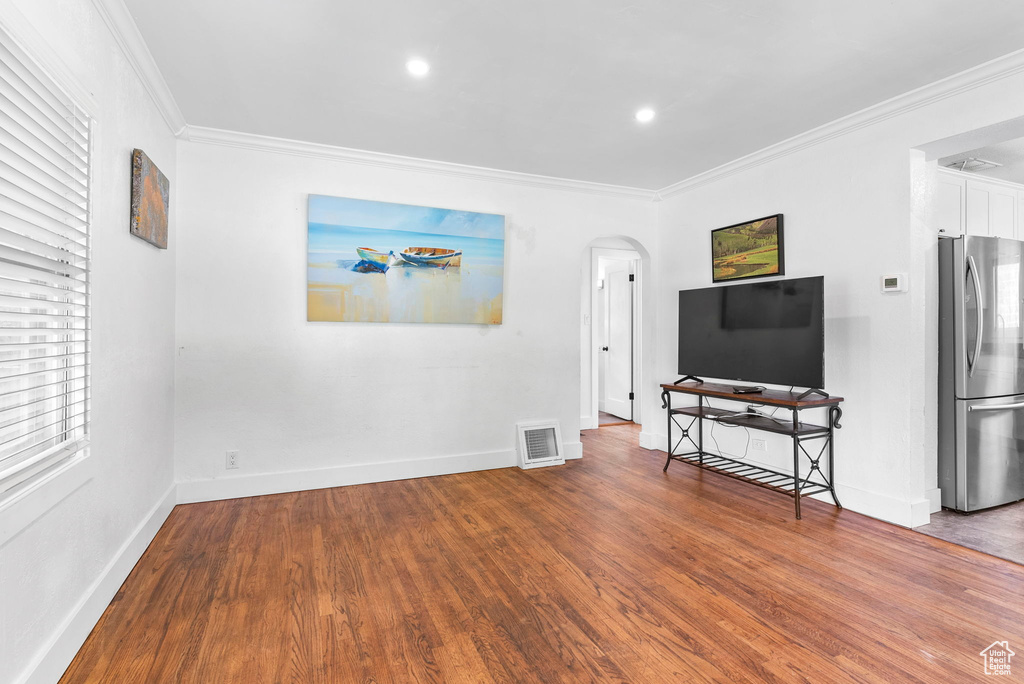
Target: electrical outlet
x,y
759,444
232,461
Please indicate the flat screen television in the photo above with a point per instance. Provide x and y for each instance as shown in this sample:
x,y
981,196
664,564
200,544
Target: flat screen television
x,y
767,332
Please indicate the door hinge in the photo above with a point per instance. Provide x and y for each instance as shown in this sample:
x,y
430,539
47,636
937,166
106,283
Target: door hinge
x,y
630,277
631,396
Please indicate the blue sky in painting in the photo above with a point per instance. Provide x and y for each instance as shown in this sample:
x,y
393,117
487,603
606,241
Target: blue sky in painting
x,y
343,211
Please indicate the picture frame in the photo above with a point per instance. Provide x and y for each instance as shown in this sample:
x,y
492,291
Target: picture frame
x,y
150,201
751,249
371,261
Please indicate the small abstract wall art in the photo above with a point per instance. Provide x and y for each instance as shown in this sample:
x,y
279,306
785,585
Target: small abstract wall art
x,y
150,200
380,262
748,250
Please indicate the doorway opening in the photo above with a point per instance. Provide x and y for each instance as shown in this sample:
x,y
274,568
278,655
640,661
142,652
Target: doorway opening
x,y
969,193
615,306
611,334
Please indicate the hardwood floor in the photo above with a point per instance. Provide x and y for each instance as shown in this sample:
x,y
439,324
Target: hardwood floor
x,y
606,419
605,569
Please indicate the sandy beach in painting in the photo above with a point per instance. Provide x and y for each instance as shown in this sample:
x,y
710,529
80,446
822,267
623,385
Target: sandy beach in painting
x,y
407,294
341,288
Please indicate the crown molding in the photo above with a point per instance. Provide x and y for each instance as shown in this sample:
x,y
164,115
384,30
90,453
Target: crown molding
x,y
298,148
126,33
964,81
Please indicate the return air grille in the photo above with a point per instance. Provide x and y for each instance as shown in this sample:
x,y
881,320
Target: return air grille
x,y
972,164
540,444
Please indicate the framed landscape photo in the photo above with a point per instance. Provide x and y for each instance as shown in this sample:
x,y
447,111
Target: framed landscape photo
x,y
748,250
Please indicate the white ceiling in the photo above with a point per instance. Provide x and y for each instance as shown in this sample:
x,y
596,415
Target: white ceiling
x,y
550,86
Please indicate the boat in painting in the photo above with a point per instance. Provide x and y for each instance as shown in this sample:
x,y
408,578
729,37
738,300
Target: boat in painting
x,y
376,259
432,256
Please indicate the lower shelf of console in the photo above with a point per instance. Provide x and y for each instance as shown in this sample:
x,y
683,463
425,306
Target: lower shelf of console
x,y
748,472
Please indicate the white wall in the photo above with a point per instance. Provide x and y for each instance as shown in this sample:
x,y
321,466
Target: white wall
x,y
348,400
48,571
850,215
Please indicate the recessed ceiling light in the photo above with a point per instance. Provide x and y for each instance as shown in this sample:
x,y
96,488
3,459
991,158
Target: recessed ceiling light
x,y
417,67
644,115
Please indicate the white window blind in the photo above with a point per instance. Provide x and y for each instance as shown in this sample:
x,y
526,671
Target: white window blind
x,y
44,272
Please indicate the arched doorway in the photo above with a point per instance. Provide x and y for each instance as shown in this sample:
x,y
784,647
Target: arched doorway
x,y
615,332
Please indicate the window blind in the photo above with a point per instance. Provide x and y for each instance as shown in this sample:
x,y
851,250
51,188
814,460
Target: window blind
x,y
44,272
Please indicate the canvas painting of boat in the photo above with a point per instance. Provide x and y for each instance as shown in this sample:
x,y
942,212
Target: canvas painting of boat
x,y
432,256
376,260
382,262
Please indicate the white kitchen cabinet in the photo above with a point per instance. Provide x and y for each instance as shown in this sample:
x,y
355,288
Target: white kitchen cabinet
x,y
977,210
969,205
991,209
949,205
1003,212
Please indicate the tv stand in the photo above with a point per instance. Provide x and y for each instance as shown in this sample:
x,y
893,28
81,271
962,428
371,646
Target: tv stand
x,y
688,377
812,391
792,484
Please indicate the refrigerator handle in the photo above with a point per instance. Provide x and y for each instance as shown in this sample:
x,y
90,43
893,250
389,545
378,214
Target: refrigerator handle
x,y
996,407
973,269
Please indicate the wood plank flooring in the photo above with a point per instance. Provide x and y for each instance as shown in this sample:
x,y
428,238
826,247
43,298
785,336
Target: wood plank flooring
x,y
605,569
605,419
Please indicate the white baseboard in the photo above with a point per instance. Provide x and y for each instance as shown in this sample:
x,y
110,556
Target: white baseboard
x,y
934,497
55,656
588,423
897,511
572,450
653,441
192,491
919,513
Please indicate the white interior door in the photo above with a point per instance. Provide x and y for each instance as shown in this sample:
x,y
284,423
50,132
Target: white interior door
x,y
618,384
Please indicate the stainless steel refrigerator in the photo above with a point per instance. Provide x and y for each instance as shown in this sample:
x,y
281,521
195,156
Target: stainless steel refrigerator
x,y
981,372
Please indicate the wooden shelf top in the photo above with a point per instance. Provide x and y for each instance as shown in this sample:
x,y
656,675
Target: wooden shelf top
x,y
769,397
751,420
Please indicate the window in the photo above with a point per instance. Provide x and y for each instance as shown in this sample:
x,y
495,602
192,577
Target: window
x,y
44,273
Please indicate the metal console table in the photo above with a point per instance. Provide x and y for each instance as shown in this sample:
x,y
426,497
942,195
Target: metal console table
x,y
791,484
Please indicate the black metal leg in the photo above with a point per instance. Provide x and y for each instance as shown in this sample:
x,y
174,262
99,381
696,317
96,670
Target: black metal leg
x,y
666,403
796,465
833,422
700,430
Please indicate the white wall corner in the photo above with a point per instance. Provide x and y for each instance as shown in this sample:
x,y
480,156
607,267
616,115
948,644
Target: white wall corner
x,y
126,33
588,423
934,497
193,491
572,450
56,654
653,441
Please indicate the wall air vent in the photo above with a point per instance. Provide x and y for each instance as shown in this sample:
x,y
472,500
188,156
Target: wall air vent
x,y
972,164
540,444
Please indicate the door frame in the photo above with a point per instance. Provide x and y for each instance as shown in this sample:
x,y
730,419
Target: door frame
x,y
633,256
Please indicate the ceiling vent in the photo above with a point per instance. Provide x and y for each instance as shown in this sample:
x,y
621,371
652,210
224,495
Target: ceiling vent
x,y
972,164
540,444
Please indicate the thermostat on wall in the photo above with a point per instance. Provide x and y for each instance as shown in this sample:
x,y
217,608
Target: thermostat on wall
x,y
896,282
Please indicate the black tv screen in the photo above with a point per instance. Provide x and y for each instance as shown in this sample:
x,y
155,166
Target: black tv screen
x,y
766,332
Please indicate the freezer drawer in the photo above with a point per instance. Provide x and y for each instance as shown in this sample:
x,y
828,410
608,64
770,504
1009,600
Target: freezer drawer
x,y
990,452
